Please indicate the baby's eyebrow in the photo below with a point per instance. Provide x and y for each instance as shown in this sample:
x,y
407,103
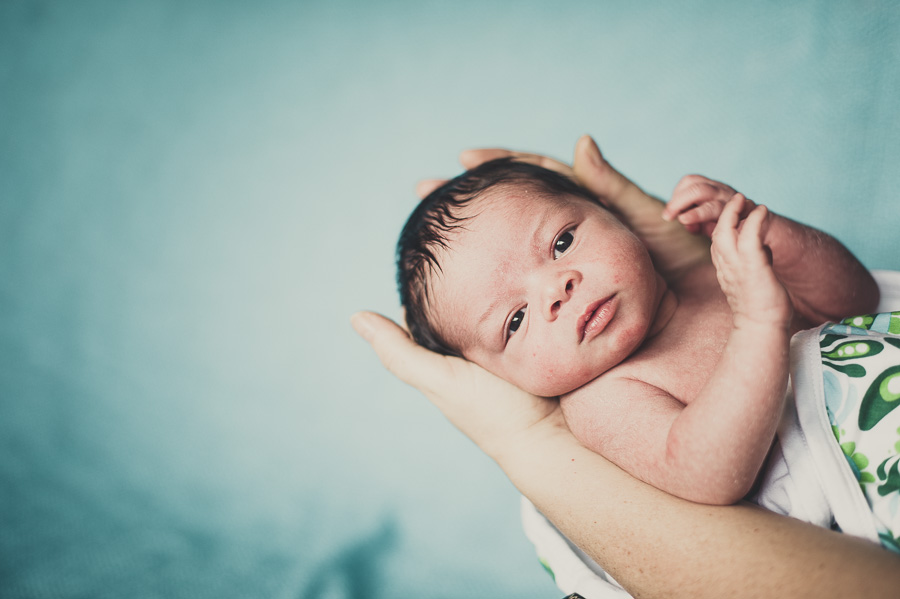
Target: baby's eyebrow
x,y
537,237
485,316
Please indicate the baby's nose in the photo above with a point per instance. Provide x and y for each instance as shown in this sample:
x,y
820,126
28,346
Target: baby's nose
x,y
557,292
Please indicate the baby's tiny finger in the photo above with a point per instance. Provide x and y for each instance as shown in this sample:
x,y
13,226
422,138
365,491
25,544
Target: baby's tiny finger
x,y
756,217
708,211
751,239
725,233
689,193
748,207
732,210
724,238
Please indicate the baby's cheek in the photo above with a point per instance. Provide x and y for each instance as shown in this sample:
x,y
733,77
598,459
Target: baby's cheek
x,y
632,336
550,378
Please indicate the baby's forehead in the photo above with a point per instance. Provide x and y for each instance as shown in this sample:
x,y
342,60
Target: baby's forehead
x,y
515,202
509,192
499,217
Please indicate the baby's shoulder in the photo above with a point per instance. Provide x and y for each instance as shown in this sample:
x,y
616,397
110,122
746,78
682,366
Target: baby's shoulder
x,y
599,411
618,385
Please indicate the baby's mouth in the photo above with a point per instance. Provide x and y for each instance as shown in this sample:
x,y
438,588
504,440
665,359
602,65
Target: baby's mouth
x,y
595,318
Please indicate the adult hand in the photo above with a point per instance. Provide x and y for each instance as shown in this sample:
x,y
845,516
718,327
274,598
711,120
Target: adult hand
x,y
493,413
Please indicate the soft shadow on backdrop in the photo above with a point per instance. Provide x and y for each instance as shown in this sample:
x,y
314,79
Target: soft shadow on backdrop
x,y
194,197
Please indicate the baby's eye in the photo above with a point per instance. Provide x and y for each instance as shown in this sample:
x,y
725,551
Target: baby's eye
x,y
515,322
562,244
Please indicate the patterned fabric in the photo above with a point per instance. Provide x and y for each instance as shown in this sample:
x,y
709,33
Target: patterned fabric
x,y
861,376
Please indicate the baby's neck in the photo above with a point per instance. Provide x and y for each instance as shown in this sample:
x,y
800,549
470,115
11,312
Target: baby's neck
x,y
667,307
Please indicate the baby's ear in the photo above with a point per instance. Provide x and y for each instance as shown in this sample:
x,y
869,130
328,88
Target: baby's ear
x,y
426,186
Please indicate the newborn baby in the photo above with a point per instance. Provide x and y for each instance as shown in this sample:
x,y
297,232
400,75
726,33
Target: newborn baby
x,y
679,380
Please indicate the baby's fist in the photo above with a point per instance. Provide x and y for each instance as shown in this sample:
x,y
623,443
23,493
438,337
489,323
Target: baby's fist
x,y
698,202
744,266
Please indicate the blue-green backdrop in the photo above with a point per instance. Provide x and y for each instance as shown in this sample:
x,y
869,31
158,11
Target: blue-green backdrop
x,y
195,196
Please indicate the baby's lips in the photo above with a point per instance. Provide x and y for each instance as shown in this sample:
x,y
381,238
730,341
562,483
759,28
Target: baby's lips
x,y
585,316
597,317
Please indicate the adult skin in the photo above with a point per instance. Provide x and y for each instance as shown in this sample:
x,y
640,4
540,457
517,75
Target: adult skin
x,y
654,544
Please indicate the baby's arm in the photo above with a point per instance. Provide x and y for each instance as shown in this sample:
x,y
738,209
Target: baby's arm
x,y
824,280
712,449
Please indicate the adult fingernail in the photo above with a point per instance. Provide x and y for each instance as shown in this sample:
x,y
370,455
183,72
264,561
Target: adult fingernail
x,y
362,324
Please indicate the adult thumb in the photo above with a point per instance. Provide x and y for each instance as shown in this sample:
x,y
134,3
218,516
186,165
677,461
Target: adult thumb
x,y
402,356
595,173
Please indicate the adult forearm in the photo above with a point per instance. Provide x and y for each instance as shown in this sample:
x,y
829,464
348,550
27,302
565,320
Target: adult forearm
x,y
658,545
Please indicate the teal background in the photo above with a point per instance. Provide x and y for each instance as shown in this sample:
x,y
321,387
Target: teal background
x,y
195,196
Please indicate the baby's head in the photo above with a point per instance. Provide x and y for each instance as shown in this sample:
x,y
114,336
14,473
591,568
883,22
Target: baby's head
x,y
522,271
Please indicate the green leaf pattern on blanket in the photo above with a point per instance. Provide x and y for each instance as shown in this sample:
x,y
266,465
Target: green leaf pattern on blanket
x,y
854,370
827,340
866,321
889,541
546,565
851,350
854,350
863,321
858,461
880,399
860,360
890,475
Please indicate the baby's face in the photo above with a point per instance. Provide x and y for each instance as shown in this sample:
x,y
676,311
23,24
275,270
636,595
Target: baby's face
x,y
547,293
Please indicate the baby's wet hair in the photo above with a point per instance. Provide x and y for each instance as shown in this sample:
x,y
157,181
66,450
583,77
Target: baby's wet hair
x,y
430,225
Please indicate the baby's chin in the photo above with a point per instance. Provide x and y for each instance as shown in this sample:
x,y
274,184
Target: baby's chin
x,y
555,386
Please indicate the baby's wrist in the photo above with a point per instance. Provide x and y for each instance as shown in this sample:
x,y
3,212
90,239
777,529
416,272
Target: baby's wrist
x,y
763,324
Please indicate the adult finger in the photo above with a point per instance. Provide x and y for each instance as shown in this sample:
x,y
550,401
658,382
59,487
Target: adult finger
x,y
426,186
403,357
612,187
472,158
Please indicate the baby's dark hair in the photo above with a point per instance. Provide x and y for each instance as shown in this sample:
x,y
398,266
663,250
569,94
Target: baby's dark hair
x,y
441,213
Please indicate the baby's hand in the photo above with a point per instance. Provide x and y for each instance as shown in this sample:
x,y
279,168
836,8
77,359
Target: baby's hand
x,y
697,203
744,267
